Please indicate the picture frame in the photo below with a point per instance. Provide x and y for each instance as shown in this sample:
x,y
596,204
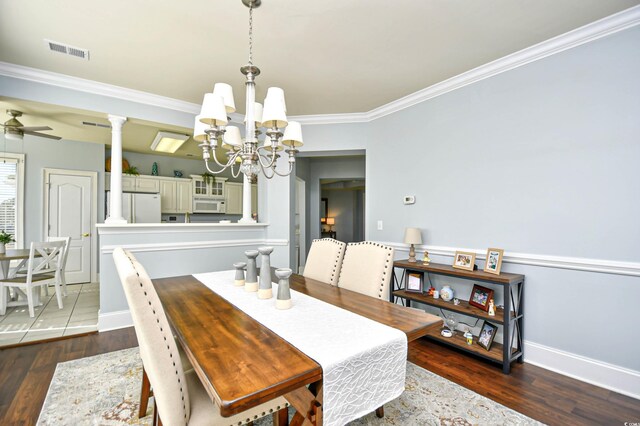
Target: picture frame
x,y
464,260
414,281
480,297
494,261
487,334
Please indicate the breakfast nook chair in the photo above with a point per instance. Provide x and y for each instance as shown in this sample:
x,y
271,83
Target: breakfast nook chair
x,y
324,260
45,256
180,398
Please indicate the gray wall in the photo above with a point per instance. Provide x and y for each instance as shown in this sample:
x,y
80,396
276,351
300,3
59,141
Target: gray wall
x,y
542,159
43,153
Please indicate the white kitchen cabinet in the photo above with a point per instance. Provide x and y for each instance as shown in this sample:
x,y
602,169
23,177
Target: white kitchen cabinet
x,y
214,188
233,197
147,184
175,195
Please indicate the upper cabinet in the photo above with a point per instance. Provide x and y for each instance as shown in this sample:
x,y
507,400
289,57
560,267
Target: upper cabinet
x,y
175,195
233,197
135,183
213,187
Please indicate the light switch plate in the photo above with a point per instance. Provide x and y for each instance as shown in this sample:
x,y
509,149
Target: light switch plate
x,y
409,199
379,225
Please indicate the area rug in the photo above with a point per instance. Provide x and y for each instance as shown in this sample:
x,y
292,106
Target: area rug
x,y
105,390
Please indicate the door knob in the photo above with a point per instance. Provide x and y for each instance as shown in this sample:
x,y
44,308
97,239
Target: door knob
x,y
86,234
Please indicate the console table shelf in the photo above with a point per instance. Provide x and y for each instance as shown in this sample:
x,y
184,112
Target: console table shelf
x,y
511,325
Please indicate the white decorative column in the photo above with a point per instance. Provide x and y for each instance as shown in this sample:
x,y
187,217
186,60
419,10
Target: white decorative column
x,y
115,201
246,202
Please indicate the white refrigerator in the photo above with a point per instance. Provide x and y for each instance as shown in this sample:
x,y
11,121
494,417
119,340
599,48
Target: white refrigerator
x,y
139,207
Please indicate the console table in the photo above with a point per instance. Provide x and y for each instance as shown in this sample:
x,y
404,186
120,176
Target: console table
x,y
512,286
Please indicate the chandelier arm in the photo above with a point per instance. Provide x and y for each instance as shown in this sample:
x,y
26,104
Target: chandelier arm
x,y
264,172
224,166
206,164
235,173
285,174
266,156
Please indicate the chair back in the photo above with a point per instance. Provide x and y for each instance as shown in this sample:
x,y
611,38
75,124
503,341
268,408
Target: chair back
x,y
48,261
325,260
65,251
367,268
158,348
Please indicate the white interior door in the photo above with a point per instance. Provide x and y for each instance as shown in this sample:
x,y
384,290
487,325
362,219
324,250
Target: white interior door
x,y
69,215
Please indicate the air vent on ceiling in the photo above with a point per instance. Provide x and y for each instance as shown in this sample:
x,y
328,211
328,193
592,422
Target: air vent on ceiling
x,y
55,46
89,123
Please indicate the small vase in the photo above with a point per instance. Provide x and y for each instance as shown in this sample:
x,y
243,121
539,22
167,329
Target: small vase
x,y
251,282
154,169
265,291
3,248
284,293
446,293
239,280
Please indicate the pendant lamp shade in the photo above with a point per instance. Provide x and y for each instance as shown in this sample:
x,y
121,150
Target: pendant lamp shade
x,y
293,135
213,111
257,114
273,114
225,91
278,93
232,138
199,134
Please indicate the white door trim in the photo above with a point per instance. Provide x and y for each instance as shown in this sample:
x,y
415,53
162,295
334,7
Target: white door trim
x,y
94,209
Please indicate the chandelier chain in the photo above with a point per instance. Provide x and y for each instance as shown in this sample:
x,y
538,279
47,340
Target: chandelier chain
x,y
251,34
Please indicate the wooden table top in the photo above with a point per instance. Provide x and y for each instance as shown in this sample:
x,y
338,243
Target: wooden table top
x,y
240,362
13,254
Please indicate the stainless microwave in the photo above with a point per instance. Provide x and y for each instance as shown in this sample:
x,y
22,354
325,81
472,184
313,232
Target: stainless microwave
x,y
208,205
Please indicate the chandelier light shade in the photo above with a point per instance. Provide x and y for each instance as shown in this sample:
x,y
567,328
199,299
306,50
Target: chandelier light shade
x,y
248,156
199,134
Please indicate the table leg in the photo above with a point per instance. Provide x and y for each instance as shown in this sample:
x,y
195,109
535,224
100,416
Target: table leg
x,y
308,405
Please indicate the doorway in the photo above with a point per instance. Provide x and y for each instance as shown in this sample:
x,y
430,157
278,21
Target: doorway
x,y
342,204
70,206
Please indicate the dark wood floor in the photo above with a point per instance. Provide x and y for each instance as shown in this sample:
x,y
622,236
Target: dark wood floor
x,y
25,373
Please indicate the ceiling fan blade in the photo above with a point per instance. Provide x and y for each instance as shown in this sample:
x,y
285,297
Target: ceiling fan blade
x,y
35,128
42,135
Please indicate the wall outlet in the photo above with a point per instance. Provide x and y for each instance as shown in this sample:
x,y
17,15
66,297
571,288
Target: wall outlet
x,y
409,199
379,225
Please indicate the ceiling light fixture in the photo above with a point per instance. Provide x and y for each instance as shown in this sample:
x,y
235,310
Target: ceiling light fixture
x,y
211,126
168,142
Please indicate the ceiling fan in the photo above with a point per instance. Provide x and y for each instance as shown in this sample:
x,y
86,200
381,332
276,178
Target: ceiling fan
x,y
13,129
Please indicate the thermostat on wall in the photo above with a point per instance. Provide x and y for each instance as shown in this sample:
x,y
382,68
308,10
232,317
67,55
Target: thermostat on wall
x,y
409,199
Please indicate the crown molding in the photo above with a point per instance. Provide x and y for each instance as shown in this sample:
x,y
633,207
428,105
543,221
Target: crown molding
x,y
602,28
95,87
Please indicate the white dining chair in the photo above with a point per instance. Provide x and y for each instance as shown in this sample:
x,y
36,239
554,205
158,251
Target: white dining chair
x,y
367,269
49,259
324,260
65,253
179,397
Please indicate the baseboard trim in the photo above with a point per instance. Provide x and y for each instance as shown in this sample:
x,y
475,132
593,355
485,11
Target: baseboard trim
x,y
114,320
563,262
598,373
193,245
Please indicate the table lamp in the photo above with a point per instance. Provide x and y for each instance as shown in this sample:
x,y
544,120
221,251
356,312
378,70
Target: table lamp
x,y
331,221
412,236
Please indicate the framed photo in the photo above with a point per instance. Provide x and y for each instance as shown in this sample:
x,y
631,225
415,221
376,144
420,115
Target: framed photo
x,y
487,334
464,260
494,261
414,281
480,297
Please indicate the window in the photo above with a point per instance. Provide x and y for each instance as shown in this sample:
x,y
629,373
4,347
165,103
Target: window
x,y
11,196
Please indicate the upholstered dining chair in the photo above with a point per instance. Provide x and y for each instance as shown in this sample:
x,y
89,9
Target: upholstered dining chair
x,y
324,260
43,268
367,268
180,398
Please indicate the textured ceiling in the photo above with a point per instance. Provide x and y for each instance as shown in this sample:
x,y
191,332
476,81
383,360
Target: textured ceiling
x,y
330,56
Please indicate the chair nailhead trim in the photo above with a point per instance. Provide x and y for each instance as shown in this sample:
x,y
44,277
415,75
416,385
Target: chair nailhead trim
x,y
184,407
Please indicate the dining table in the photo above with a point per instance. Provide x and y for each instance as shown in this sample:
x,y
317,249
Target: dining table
x,y
242,363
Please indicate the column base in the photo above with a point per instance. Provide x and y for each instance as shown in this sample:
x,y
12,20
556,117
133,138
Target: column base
x,y
115,221
250,287
283,304
265,293
246,220
238,283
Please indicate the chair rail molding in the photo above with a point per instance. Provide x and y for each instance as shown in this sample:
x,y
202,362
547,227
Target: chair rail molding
x,y
585,34
192,245
562,262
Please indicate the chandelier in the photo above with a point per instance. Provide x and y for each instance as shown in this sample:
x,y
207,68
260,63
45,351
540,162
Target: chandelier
x,y
248,156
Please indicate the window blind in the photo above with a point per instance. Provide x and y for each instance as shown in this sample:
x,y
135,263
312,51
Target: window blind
x,y
8,196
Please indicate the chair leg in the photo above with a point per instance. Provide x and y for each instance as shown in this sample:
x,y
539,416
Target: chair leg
x,y
46,289
281,417
145,393
58,294
380,412
64,284
3,299
29,292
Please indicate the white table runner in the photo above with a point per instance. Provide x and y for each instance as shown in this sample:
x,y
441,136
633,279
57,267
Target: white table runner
x,y
363,362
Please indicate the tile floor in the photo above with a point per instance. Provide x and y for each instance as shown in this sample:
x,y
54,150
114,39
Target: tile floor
x,y
78,315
